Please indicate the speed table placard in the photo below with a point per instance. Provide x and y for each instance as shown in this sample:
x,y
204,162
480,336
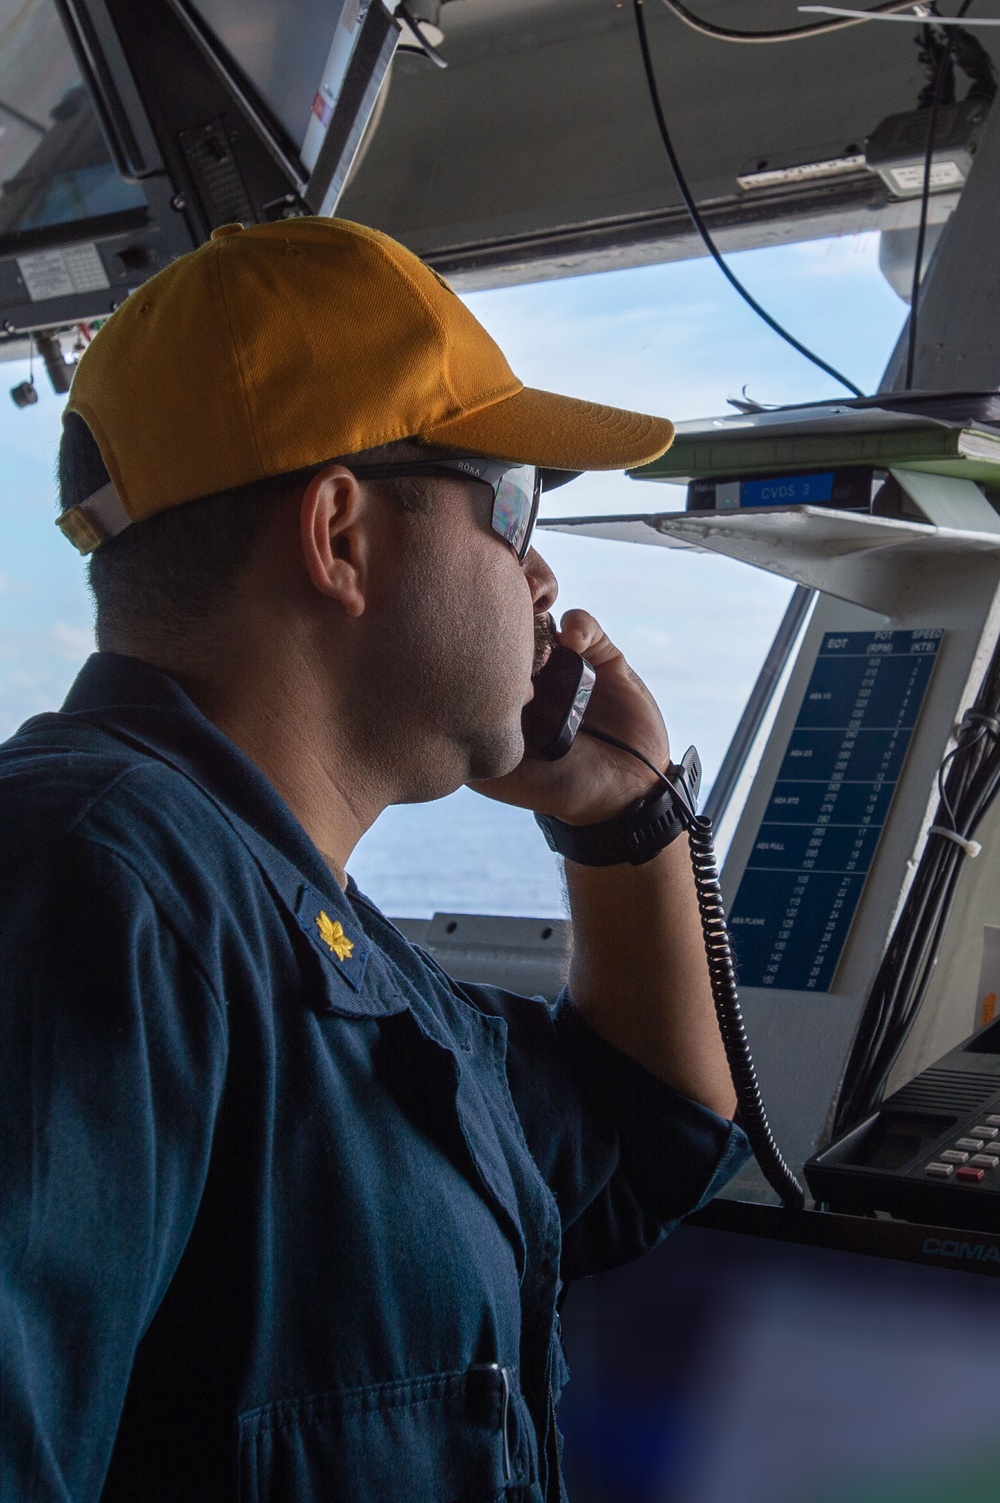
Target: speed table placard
x,y
822,824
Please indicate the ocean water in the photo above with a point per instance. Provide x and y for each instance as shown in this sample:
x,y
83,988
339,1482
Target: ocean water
x,y
462,854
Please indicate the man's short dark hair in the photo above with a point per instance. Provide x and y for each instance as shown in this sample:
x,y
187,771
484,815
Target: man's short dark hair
x,y
174,570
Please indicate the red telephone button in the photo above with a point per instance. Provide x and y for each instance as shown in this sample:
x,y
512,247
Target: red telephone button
x,y
967,1172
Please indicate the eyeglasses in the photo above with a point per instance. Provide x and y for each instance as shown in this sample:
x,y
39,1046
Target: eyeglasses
x,y
517,490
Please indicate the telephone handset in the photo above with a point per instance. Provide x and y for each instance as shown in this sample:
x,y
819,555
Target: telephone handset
x,y
550,722
552,718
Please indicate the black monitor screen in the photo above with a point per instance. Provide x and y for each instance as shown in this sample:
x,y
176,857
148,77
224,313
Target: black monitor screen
x,y
54,165
282,48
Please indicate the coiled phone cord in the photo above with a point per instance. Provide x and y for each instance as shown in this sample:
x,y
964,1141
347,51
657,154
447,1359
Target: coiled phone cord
x,y
725,995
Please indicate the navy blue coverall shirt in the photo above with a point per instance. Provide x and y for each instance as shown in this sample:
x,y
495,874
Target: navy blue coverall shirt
x,y
284,1210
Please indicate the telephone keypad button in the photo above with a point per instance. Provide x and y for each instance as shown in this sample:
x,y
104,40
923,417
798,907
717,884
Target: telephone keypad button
x,y
967,1172
982,1131
993,1148
954,1156
984,1160
973,1144
941,1170
993,1119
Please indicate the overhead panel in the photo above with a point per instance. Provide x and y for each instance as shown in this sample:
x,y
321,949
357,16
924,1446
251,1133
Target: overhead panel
x,y
68,219
536,153
127,134
54,166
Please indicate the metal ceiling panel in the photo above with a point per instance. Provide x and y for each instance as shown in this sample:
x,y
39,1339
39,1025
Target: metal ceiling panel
x,y
536,152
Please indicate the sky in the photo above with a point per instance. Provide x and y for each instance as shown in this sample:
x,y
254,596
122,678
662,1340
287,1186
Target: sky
x,y
672,339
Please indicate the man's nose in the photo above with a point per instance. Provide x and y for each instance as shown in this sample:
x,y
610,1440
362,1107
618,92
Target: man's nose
x,y
541,581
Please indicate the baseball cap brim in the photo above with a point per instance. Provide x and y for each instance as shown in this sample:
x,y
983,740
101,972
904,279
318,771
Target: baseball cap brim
x,y
558,433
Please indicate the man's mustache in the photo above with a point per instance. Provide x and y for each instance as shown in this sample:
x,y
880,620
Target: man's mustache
x,y
544,641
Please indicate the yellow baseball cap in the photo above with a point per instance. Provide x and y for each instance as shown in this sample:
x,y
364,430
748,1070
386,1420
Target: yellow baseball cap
x,y
275,348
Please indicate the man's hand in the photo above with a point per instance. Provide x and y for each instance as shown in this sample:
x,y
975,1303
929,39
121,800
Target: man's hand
x,y
638,971
593,781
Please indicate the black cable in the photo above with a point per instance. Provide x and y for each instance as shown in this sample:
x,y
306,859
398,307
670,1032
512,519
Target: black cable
x,y
427,48
21,119
725,995
722,977
790,34
590,730
944,70
940,74
699,222
971,56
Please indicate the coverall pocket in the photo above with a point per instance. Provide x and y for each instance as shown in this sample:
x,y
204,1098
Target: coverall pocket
x,y
459,1437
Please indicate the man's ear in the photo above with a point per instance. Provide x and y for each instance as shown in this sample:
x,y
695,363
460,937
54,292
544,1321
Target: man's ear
x,y
333,537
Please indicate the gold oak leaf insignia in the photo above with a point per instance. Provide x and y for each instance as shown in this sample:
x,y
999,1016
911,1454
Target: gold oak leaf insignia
x,y
333,936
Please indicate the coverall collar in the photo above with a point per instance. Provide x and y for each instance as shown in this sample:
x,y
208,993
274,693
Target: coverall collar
x,y
149,709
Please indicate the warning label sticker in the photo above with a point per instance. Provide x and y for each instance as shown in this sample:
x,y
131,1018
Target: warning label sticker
x,y
60,273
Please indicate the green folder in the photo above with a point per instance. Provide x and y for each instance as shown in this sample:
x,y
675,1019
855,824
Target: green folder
x,y
794,442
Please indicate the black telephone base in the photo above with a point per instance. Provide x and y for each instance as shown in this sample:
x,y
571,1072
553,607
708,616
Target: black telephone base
x,y
931,1153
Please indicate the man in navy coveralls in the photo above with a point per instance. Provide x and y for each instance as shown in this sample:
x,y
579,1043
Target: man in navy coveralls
x,y
285,1211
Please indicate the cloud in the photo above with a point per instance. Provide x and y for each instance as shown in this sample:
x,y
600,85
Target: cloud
x,y
65,640
71,642
37,666
676,338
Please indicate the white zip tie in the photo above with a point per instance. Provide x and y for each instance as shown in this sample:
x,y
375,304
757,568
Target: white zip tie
x,y
976,717
970,847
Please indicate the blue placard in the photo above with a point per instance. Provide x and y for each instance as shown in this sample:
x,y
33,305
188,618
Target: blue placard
x,y
787,490
830,800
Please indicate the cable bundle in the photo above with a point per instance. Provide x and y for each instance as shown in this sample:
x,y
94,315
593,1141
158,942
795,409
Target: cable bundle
x,y
968,781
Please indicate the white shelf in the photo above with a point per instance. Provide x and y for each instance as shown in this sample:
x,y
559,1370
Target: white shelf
x,y
849,554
